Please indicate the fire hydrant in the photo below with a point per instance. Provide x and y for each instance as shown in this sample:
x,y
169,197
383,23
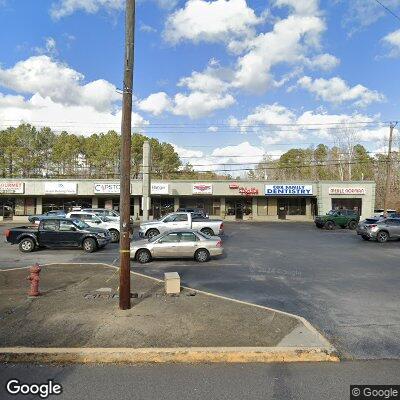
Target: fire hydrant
x,y
35,279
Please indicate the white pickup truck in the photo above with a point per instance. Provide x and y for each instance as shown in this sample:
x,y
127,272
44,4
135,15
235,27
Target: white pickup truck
x,y
181,220
94,220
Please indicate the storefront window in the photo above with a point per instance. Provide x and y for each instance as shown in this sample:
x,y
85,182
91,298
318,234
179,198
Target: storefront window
x,y
110,203
161,206
216,208
347,204
239,207
293,206
262,206
19,206
205,203
55,203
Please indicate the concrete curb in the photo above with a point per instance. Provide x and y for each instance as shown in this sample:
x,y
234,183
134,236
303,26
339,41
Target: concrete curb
x,y
165,355
174,355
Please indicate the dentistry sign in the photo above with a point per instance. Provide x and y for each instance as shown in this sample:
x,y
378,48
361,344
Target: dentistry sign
x,y
12,187
202,188
60,187
288,190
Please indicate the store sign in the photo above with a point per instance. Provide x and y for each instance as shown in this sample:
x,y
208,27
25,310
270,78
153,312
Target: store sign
x,y
202,188
288,190
233,186
12,187
60,187
347,190
159,188
248,191
107,188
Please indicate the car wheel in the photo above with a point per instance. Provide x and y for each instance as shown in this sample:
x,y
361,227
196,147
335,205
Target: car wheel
x,y
202,255
352,225
208,231
365,237
151,233
26,245
382,237
114,235
89,245
143,256
329,225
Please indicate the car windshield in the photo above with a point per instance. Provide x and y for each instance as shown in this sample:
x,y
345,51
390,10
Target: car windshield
x,y
80,224
332,212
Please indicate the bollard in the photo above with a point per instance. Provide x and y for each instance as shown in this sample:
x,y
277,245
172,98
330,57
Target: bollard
x,y
35,279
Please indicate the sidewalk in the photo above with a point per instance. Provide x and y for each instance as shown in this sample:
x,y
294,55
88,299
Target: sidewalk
x,y
79,309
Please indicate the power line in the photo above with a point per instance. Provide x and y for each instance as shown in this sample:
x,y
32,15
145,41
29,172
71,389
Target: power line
x,y
388,10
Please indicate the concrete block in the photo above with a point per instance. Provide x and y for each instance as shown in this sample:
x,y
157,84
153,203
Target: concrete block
x,y
172,283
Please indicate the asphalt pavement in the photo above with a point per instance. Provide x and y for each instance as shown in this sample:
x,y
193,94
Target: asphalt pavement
x,y
311,381
347,288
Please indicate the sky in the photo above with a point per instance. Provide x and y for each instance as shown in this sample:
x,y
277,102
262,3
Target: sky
x,y
224,81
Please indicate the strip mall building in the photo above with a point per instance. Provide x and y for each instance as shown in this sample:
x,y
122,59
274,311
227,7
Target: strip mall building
x,y
247,200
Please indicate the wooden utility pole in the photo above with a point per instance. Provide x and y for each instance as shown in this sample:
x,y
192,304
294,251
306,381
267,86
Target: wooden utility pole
x,y
126,129
388,168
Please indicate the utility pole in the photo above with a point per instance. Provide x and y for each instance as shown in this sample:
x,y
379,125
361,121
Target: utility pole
x,y
388,168
125,183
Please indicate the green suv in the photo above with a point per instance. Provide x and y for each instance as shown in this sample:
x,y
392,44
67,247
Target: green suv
x,y
343,218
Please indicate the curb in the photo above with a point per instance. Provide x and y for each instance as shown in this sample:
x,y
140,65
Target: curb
x,y
165,355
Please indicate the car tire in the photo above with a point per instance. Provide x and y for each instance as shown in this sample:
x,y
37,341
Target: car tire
x,y
202,255
143,256
366,238
26,245
208,231
151,233
352,225
382,237
89,245
114,235
329,225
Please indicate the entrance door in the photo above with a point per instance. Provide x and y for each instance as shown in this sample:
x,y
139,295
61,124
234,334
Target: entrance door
x,y
282,208
239,210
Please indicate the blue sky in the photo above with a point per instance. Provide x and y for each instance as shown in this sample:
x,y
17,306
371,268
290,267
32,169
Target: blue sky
x,y
215,78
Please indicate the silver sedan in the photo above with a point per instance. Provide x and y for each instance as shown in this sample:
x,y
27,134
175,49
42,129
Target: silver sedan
x,y
179,243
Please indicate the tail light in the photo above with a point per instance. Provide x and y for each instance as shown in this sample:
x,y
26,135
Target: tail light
x,y
372,226
219,243
221,227
7,233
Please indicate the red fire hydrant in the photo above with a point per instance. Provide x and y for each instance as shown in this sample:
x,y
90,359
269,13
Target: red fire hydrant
x,y
35,279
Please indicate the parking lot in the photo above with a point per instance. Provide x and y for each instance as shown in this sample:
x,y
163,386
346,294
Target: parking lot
x,y
347,288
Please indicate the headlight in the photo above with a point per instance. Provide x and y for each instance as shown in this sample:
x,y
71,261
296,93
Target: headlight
x,y
102,235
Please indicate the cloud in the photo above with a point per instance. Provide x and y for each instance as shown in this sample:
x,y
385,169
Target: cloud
x,y
393,40
301,7
287,43
212,129
199,104
53,94
211,21
337,91
64,8
275,124
78,119
324,62
49,48
147,28
156,103
241,153
59,82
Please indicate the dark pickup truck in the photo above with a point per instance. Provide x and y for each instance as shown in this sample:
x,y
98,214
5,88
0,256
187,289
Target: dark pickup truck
x,y
58,232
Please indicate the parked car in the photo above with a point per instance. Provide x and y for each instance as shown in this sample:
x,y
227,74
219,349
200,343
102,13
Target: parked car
x,y
58,232
35,219
343,218
381,230
181,220
177,243
112,215
196,212
98,221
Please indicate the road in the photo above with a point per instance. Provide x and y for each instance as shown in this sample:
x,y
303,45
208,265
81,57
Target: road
x,y
347,288
309,381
